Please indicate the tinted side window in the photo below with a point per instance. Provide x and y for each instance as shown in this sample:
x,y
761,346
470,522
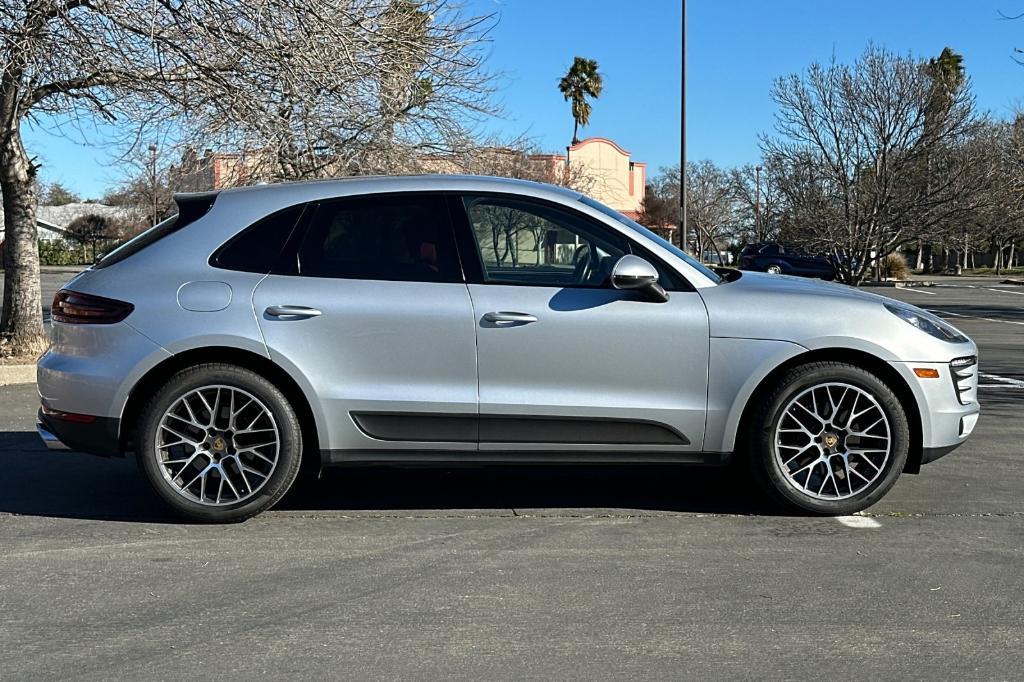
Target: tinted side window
x,y
257,247
399,238
521,242
526,242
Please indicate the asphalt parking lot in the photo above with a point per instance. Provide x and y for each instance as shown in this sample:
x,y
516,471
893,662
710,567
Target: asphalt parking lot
x,y
528,572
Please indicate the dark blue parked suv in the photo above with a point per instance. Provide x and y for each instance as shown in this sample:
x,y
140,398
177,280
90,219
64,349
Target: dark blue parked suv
x,y
779,260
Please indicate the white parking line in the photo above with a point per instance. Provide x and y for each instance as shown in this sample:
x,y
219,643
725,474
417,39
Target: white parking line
x,y
1004,291
1002,382
858,522
972,317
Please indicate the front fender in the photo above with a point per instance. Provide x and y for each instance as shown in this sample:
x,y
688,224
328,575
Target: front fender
x,y
736,368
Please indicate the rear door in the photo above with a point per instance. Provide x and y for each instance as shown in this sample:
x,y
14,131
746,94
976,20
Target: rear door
x,y
370,306
566,362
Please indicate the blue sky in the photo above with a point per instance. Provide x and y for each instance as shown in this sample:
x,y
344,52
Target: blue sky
x,y
735,51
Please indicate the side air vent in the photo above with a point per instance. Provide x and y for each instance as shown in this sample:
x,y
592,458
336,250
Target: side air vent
x,y
965,378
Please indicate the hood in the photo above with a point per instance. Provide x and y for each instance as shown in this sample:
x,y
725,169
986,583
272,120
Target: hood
x,y
760,282
817,314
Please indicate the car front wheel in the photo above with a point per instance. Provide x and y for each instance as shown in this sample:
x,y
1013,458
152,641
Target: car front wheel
x,y
831,438
219,443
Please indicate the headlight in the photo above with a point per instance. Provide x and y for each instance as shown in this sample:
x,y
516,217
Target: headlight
x,y
927,323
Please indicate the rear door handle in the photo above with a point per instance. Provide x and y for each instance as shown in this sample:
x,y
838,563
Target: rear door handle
x,y
292,311
502,316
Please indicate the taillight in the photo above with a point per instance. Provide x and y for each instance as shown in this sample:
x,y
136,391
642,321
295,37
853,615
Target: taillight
x,y
72,307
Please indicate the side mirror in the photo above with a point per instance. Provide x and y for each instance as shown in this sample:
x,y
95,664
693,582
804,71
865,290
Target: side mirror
x,y
633,272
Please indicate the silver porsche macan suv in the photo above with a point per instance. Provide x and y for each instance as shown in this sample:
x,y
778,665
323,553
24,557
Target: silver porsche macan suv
x,y
446,319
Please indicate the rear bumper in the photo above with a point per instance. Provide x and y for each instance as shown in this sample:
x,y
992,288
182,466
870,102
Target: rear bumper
x,y
49,438
98,437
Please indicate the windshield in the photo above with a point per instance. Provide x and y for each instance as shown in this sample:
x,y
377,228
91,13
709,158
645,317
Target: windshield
x,y
632,224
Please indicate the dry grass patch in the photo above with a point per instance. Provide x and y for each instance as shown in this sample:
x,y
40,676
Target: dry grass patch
x,y
23,353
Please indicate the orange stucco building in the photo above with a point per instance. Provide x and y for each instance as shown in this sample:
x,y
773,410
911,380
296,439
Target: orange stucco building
x,y
612,177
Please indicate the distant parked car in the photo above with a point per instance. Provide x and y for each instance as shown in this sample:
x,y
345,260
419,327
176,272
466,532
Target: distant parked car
x,y
777,259
721,258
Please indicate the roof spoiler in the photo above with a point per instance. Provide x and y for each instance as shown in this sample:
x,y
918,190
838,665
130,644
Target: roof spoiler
x,y
194,205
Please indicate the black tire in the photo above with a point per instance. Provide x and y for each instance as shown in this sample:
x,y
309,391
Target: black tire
x,y
768,469
289,455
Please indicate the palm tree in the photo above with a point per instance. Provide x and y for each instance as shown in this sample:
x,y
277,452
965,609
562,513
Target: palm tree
x,y
947,77
581,81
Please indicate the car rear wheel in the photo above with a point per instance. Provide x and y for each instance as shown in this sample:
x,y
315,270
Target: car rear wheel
x,y
831,438
774,269
219,443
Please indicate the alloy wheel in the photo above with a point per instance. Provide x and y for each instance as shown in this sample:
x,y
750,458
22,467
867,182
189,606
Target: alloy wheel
x,y
217,445
833,441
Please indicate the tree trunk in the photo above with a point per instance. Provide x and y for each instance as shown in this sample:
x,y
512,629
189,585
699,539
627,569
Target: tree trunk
x,y
575,131
21,325
920,256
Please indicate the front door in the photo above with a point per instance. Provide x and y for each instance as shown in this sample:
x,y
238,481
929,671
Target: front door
x,y
565,361
371,308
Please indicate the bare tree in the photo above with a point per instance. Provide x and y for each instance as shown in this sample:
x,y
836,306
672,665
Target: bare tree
x,y
710,209
759,202
147,185
314,87
354,87
999,223
869,163
660,207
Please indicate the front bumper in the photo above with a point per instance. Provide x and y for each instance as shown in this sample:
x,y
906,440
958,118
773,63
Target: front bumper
x,y
948,417
932,454
97,437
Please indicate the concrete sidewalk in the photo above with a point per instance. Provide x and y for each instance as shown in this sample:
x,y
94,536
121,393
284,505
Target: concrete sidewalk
x,y
17,374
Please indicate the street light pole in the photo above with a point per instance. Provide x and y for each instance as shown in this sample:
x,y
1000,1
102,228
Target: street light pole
x,y
152,180
757,200
683,232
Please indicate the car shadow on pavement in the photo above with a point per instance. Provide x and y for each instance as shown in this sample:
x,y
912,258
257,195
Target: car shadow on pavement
x,y
38,482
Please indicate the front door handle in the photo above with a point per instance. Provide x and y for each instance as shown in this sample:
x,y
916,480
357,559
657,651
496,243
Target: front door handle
x,y
502,316
292,311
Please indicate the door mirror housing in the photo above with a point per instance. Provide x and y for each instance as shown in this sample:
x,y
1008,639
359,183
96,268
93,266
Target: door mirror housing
x,y
633,272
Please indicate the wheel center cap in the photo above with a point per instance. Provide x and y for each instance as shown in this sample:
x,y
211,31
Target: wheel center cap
x,y
830,439
219,444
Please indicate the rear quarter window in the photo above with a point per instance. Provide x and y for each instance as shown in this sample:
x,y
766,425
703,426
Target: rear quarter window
x,y
258,247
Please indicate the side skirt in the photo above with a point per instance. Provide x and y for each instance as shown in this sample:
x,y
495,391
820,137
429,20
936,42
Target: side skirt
x,y
441,458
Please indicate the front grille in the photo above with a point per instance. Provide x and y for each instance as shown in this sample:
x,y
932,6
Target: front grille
x,y
964,372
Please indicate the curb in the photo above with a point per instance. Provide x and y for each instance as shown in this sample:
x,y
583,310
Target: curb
x,y
17,374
